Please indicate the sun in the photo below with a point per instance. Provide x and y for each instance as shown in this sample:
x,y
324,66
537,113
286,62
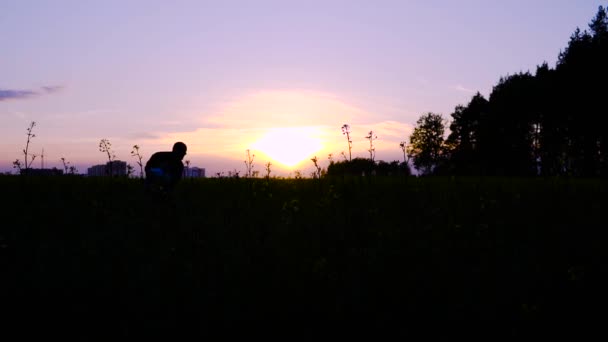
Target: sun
x,y
289,145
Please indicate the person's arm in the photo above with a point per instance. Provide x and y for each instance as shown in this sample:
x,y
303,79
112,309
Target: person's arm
x,y
175,170
150,163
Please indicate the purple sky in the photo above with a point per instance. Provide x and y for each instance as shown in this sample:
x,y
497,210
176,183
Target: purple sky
x,y
276,77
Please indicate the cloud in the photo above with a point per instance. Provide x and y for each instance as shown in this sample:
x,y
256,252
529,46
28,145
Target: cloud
x,y
240,123
16,94
423,81
464,89
285,108
52,89
10,94
145,136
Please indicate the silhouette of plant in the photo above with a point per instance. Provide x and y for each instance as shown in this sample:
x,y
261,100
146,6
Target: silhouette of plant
x,y
17,163
330,157
67,168
343,156
65,165
267,165
233,174
32,160
372,151
130,170
30,136
317,173
106,147
346,131
42,159
187,167
403,146
135,153
249,163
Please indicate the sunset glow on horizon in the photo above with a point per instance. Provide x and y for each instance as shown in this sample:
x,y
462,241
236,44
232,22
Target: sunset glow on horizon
x,y
282,127
289,146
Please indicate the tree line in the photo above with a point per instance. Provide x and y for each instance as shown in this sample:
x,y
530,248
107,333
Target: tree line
x,y
549,123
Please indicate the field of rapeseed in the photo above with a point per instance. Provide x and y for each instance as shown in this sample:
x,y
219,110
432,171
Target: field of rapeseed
x,y
352,256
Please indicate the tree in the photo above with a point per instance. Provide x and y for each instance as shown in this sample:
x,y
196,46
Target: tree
x,y
599,24
579,112
426,142
550,123
355,167
462,145
506,142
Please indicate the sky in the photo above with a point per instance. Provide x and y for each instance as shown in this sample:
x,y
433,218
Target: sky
x,y
278,78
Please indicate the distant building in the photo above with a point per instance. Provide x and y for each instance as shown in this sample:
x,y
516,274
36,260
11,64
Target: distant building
x,y
194,172
42,172
116,167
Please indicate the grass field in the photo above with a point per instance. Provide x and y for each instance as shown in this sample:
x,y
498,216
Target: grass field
x,y
349,256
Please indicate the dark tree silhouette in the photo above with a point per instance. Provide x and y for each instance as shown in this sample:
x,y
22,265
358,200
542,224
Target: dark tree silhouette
x,y
581,75
506,141
550,123
355,167
462,145
426,143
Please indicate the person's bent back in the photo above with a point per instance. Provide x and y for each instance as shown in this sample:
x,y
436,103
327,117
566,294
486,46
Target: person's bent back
x,y
164,169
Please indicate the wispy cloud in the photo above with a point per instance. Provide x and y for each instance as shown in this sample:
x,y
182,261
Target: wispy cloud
x,y
423,81
285,108
145,136
11,94
460,87
52,89
16,94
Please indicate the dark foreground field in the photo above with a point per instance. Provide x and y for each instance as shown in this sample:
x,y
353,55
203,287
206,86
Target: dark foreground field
x,y
360,257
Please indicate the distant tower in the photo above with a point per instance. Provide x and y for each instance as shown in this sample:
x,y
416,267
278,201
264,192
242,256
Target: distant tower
x,y
42,159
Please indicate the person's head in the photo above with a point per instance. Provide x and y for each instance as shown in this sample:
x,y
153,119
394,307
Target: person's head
x,y
179,148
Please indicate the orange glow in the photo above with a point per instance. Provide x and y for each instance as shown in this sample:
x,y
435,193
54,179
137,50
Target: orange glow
x,y
286,128
289,145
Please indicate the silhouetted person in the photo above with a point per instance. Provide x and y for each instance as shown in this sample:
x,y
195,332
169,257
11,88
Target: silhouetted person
x,y
164,169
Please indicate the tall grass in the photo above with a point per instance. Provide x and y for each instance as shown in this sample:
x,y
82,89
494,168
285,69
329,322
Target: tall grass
x,y
367,254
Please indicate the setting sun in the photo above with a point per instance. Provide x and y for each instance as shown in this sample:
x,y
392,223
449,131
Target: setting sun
x,y
289,146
